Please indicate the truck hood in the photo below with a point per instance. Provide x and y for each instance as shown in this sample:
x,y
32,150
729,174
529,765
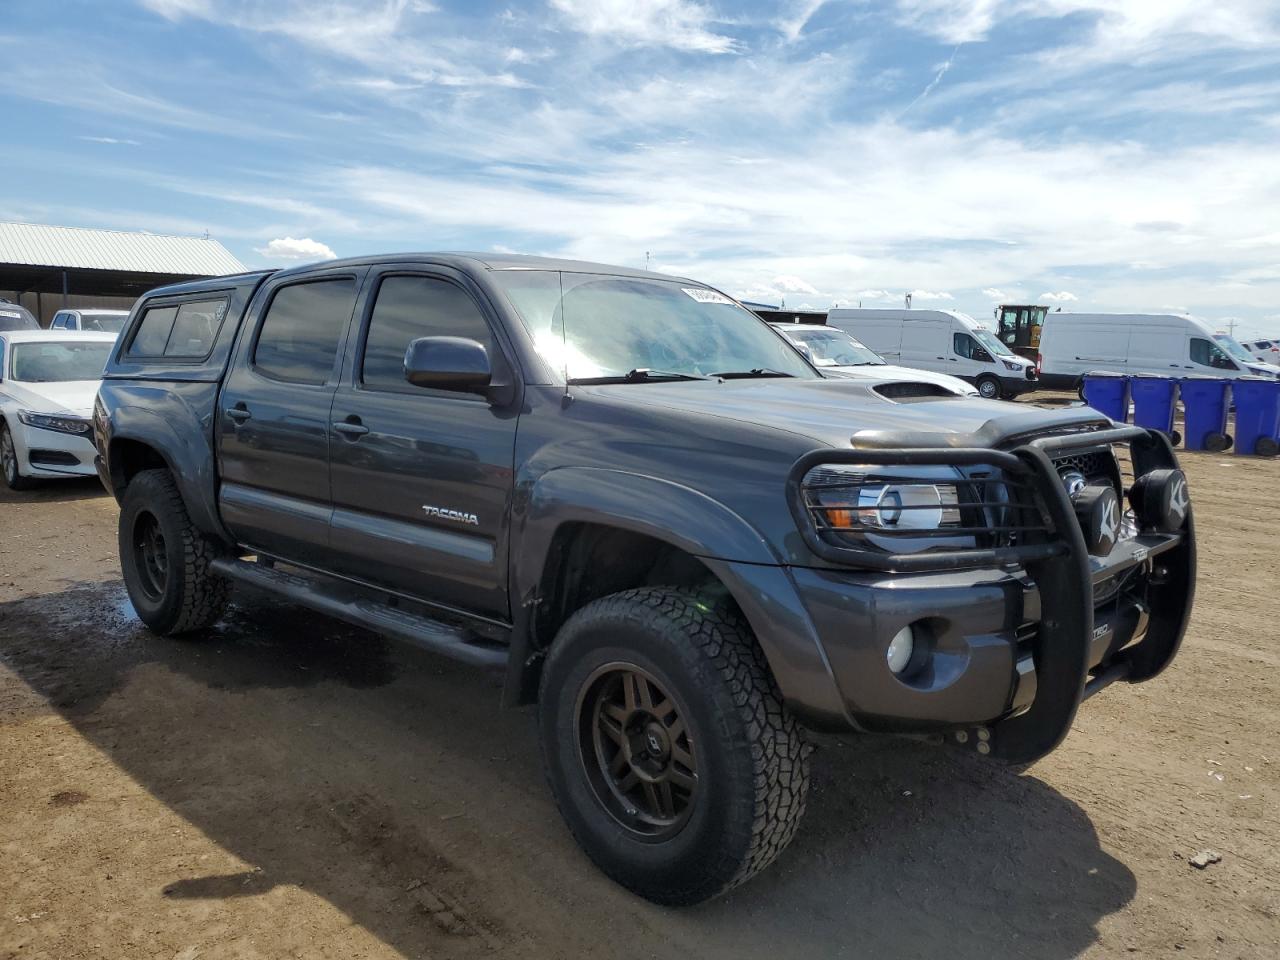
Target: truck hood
x,y
70,396
844,413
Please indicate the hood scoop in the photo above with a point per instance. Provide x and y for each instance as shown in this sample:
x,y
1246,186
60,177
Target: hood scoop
x,y
913,391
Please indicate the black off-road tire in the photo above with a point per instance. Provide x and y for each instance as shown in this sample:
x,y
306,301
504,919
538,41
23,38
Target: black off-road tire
x,y
188,596
13,478
751,758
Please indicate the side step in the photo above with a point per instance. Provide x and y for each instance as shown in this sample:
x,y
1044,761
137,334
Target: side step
x,y
347,603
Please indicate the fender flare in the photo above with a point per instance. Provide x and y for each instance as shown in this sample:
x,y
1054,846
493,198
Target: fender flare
x,y
187,452
731,548
667,511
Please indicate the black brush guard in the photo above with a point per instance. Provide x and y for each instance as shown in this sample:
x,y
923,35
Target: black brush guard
x,y
1059,564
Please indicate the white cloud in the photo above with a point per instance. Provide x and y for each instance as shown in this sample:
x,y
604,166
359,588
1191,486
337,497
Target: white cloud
x,y
1120,24
287,248
885,295
997,295
1063,296
794,285
930,295
680,24
111,140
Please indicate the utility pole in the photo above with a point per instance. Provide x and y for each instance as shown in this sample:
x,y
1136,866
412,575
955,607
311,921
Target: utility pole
x,y
907,298
646,259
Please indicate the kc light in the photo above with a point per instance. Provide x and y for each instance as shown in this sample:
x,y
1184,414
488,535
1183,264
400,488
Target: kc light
x,y
901,647
49,421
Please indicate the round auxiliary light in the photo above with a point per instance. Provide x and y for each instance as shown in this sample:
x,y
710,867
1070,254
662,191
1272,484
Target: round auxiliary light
x,y
901,647
1160,500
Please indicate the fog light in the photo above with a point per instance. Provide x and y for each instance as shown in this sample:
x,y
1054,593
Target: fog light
x,y
901,647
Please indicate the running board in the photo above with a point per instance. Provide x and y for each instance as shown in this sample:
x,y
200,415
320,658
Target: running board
x,y
344,602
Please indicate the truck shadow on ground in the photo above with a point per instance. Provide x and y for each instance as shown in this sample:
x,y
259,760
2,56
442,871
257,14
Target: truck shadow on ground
x,y
387,782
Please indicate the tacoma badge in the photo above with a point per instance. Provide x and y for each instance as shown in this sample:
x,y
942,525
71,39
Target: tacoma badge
x,y
444,513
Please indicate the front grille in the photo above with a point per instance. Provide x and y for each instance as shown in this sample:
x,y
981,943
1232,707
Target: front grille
x,y
54,458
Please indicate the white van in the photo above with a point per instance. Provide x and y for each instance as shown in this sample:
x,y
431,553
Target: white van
x,y
1073,344
945,341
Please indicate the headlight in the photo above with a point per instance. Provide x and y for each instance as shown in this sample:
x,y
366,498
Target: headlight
x,y
1010,365
50,421
898,509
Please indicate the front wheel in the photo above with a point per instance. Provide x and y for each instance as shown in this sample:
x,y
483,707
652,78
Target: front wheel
x,y
165,558
13,478
668,748
989,388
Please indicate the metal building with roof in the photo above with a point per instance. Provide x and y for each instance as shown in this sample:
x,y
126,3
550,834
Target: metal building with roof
x,y
47,268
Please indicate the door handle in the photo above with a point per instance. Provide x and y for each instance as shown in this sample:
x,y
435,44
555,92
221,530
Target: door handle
x,y
351,427
239,413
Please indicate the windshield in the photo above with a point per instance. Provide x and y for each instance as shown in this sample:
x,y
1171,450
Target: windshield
x,y
1232,347
54,362
990,343
104,323
17,318
602,327
834,348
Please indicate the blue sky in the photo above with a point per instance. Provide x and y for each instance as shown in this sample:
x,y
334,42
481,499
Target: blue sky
x,y
1094,154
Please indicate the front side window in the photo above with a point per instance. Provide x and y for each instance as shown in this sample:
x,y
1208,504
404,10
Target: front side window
x,y
988,342
835,348
595,327
58,361
1209,355
408,308
303,330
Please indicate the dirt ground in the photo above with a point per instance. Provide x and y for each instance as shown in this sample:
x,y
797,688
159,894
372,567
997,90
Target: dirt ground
x,y
288,787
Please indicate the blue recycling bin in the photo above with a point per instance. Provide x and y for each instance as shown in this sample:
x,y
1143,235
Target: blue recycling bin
x,y
1204,405
1257,401
1154,400
1108,393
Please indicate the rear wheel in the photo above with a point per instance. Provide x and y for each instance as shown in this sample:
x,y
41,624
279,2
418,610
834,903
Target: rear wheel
x,y
165,558
13,477
667,746
989,388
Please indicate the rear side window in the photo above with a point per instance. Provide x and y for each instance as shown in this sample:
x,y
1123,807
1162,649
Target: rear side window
x,y
182,331
412,307
963,344
195,328
153,332
303,329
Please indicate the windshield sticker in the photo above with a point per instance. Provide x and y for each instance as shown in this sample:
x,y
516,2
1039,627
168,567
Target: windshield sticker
x,y
9,313
703,295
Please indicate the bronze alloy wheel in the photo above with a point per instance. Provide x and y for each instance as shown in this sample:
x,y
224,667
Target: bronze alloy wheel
x,y
636,751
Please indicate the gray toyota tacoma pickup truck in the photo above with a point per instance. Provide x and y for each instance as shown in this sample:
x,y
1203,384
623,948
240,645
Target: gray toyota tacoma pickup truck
x,y
674,535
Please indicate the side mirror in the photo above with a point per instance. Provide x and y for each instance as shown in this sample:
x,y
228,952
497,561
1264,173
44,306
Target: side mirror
x,y
448,363
982,356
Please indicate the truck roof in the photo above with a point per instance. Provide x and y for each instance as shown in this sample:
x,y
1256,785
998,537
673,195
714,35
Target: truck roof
x,y
488,261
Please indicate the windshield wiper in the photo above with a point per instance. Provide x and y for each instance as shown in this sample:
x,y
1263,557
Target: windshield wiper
x,y
640,375
755,372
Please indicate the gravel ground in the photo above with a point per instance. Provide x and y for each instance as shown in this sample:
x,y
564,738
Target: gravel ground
x,y
291,787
